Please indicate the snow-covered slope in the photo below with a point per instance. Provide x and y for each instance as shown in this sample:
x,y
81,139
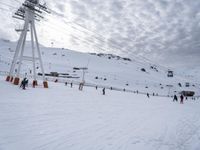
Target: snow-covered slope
x,y
106,69
61,117
64,118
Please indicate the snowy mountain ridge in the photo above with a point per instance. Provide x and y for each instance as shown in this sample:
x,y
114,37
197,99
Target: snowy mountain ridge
x,y
105,69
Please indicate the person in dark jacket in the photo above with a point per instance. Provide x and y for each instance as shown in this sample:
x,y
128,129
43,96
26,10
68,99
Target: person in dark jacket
x,y
148,95
175,98
181,97
103,90
71,84
24,83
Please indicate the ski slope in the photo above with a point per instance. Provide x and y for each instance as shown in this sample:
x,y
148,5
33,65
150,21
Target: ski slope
x,y
64,118
111,70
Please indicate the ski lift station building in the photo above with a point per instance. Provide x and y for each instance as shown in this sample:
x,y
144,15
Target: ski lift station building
x,y
188,93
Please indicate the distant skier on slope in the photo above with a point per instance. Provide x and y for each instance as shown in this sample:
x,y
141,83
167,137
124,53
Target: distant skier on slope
x,y
71,84
148,95
81,86
175,98
181,97
103,90
24,83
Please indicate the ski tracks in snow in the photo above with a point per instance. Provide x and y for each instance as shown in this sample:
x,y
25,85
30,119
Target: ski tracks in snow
x,y
77,121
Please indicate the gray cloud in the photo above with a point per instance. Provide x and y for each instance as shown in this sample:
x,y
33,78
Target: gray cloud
x,y
165,31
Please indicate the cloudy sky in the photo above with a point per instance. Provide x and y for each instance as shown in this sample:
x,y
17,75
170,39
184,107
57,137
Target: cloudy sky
x,y
165,31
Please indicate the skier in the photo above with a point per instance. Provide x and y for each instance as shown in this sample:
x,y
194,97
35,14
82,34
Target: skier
x,y
81,86
66,83
96,87
71,84
175,98
148,95
24,83
34,83
181,97
103,90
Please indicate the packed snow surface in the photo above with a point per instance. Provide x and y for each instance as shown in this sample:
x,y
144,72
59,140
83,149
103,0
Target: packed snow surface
x,y
64,118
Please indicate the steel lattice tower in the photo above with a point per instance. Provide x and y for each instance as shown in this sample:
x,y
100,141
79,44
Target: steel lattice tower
x,y
30,12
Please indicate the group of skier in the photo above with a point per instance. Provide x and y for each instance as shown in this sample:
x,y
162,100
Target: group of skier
x,y
71,84
24,84
176,98
82,84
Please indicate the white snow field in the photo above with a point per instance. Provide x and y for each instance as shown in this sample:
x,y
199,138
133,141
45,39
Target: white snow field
x,y
64,118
